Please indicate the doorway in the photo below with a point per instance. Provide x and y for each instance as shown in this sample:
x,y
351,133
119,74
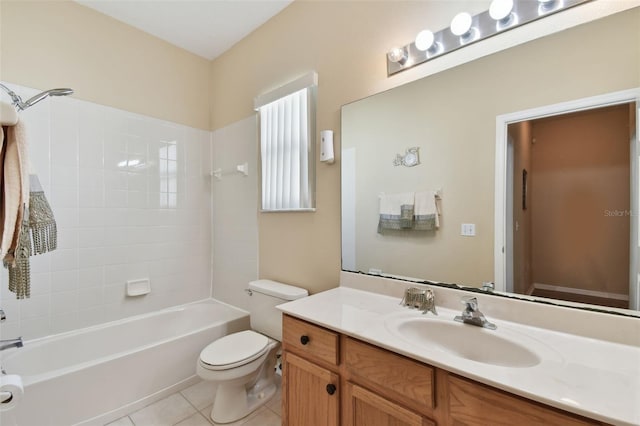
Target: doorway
x,y
566,225
571,211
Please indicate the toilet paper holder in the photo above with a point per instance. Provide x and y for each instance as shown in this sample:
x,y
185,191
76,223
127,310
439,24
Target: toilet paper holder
x,y
5,397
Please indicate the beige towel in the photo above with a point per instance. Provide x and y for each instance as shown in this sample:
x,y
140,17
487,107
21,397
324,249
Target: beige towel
x,y
8,114
426,212
14,188
396,211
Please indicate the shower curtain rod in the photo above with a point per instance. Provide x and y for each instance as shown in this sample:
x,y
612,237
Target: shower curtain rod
x,y
21,105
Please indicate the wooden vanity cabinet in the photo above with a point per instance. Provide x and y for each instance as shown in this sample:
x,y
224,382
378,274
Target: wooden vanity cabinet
x,y
331,379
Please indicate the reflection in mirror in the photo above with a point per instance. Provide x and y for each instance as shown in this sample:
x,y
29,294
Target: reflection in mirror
x,y
451,118
570,205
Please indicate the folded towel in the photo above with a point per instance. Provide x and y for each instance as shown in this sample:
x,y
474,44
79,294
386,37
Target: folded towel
x,y
426,212
396,211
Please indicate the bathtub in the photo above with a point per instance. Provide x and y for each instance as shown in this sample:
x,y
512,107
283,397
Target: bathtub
x,y
98,374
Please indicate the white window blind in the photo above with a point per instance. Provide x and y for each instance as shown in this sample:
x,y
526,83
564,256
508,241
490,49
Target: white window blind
x,y
287,148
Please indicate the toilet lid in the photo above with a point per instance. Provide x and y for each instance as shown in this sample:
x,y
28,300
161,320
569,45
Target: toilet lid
x,y
234,348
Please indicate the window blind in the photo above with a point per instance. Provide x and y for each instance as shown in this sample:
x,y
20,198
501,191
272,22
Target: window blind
x,y
286,131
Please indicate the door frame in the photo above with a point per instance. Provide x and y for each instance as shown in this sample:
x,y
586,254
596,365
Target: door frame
x,y
501,182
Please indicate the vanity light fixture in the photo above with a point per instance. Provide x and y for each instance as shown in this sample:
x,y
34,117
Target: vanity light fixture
x,y
462,26
398,55
465,30
501,11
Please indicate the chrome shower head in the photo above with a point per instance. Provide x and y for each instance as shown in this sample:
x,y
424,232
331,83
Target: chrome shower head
x,y
22,105
40,96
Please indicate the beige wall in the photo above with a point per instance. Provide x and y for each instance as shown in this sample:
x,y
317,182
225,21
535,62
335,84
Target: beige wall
x,y
580,200
345,42
46,44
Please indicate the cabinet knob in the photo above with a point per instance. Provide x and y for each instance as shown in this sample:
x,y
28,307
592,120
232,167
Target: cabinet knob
x,y
304,339
331,388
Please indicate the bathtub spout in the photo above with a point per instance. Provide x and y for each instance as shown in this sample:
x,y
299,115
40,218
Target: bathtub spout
x,y
11,343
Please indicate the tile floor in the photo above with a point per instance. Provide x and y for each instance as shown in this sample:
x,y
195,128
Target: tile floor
x,y
192,406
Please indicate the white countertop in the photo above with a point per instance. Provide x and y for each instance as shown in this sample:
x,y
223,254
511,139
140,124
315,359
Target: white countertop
x,y
586,376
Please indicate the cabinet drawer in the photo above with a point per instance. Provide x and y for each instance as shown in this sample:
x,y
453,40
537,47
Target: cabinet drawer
x,y
314,342
472,404
403,379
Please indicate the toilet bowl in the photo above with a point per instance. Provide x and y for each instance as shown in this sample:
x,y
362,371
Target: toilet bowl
x,y
243,363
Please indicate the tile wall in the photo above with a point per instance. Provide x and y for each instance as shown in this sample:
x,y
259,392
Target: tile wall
x,y
132,199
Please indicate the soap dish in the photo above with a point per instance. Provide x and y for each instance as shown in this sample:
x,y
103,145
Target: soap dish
x,y
138,287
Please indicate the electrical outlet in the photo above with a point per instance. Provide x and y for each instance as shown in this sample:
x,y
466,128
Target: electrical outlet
x,y
468,229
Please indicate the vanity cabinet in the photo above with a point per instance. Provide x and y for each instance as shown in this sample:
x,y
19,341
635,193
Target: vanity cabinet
x,y
332,379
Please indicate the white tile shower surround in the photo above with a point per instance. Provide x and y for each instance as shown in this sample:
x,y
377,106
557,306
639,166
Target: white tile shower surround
x,y
132,199
192,406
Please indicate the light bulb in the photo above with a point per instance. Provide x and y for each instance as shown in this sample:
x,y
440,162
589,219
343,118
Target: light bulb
x,y
500,9
461,24
398,55
424,40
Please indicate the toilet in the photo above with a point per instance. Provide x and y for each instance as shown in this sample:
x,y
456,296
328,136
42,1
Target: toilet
x,y
243,363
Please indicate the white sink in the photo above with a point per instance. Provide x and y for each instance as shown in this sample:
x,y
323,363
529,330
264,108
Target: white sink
x,y
495,347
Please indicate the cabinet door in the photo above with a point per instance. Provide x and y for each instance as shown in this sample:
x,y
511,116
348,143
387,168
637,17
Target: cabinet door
x,y
473,404
310,393
365,408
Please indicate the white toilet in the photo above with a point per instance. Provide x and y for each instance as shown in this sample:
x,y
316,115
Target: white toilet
x,y
243,363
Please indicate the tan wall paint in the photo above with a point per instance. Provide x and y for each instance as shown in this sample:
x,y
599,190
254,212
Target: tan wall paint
x,y
345,42
46,44
580,178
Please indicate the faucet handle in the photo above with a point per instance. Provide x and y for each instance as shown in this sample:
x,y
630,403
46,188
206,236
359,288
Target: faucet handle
x,y
3,317
471,303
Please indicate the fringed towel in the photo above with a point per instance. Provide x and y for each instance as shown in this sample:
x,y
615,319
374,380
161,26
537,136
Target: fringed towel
x,y
14,244
426,212
15,188
396,211
27,224
44,232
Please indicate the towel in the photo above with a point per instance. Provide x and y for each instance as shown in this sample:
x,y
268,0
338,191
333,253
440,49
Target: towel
x,y
396,211
15,246
42,224
426,212
14,188
8,115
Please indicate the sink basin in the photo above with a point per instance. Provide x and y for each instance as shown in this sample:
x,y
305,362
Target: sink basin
x,y
496,347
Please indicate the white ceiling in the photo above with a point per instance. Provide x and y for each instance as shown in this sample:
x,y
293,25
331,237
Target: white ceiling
x,y
204,27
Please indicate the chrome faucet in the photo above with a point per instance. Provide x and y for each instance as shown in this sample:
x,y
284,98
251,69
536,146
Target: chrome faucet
x,y
472,315
11,343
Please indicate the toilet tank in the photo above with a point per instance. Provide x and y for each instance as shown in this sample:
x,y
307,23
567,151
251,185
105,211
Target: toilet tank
x,y
265,296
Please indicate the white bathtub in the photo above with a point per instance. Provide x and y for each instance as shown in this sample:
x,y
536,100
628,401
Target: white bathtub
x,y
97,374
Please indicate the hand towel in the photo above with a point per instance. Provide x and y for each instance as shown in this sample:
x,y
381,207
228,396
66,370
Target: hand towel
x,y
20,269
15,247
8,114
396,211
15,188
426,212
42,224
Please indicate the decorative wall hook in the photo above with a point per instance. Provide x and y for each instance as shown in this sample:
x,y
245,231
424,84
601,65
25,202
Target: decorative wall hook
x,y
410,158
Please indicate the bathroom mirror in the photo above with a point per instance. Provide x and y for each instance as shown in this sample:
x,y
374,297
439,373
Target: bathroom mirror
x,y
451,118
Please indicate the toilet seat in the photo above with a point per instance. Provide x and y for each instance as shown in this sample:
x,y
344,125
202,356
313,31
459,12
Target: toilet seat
x,y
234,350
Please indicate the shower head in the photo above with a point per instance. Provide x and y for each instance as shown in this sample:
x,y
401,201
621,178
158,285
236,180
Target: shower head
x,y
40,96
22,105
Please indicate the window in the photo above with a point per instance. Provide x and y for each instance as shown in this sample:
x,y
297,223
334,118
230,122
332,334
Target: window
x,y
287,146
